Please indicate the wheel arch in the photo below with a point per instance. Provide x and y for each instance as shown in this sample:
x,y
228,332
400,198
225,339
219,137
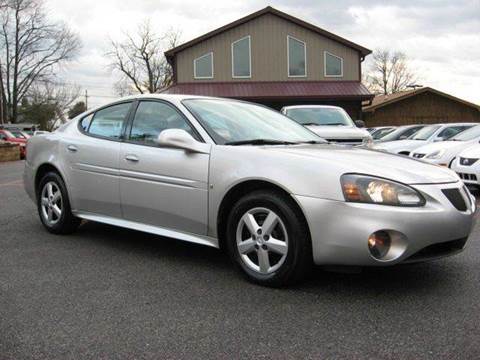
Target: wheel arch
x,y
241,189
44,169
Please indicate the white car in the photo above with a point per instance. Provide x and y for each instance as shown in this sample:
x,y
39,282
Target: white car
x,y
330,122
467,165
427,135
444,152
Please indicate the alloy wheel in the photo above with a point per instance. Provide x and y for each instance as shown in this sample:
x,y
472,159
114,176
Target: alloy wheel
x,y
262,240
51,203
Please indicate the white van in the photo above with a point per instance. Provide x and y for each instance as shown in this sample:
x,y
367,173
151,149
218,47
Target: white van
x,y
330,122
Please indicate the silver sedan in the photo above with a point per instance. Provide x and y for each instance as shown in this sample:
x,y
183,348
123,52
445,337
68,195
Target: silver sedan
x,y
246,179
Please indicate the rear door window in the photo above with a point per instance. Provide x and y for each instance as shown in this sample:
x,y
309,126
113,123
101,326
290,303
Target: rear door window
x,y
108,122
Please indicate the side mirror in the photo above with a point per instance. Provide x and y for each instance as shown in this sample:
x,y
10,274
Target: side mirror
x,y
180,139
360,123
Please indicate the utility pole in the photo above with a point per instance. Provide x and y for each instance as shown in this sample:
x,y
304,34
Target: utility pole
x,y
86,99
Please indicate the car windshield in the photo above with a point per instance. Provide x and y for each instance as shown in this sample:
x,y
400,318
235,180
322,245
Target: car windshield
x,y
467,135
18,134
320,116
229,121
425,133
380,133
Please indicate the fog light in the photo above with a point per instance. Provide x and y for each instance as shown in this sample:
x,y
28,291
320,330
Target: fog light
x,y
379,243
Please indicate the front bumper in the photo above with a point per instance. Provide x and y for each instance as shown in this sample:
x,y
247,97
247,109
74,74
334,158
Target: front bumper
x,y
340,230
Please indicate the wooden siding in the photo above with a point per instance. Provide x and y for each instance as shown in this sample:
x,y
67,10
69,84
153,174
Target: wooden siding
x,y
269,53
424,108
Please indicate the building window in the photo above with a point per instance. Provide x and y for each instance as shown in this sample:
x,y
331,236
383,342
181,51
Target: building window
x,y
203,67
241,58
297,57
333,65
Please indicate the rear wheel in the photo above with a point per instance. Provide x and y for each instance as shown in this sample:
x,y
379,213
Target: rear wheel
x,y
268,239
53,205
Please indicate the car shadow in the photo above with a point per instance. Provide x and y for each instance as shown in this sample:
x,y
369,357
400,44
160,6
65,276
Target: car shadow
x,y
389,282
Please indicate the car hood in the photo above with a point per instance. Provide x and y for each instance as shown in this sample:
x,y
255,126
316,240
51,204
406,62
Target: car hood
x,y
370,162
442,145
338,132
472,152
17,141
400,145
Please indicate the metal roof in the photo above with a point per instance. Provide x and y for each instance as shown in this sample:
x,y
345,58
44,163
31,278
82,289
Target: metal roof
x,y
384,100
274,89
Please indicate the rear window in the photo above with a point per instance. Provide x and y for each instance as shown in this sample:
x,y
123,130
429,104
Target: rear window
x,y
425,133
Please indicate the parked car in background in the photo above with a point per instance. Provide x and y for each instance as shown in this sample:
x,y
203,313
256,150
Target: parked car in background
x,y
424,136
401,133
245,178
329,122
444,152
19,134
6,135
467,166
380,132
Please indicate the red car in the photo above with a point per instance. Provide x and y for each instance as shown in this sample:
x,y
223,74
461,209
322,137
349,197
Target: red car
x,y
6,135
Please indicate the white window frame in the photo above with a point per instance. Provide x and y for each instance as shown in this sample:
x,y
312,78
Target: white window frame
x,y
325,65
288,57
249,58
195,67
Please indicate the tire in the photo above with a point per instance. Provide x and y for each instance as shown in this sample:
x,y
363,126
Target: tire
x,y
53,205
277,255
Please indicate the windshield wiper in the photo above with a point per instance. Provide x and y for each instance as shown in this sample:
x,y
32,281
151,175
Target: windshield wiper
x,y
310,124
259,142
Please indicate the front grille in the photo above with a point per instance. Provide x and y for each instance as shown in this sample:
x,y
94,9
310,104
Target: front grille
x,y
455,198
468,177
467,161
438,250
418,156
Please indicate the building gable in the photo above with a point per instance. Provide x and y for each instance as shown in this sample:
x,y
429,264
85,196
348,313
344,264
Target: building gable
x,y
268,33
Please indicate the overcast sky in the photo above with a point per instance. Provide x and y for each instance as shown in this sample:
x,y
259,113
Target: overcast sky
x,y
441,37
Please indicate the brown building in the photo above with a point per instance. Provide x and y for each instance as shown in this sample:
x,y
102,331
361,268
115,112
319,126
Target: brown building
x,y
272,58
420,106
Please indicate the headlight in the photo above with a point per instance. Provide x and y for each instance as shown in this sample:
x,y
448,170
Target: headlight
x,y
436,154
369,189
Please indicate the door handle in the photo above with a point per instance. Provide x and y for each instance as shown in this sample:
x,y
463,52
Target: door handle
x,y
72,148
132,158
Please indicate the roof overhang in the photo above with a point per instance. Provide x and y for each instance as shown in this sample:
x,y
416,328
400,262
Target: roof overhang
x,y
275,90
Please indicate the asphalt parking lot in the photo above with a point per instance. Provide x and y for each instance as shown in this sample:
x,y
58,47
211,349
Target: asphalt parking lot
x,y
111,293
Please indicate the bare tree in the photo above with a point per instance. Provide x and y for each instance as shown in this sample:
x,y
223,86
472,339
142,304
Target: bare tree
x,y
31,49
47,103
139,59
389,72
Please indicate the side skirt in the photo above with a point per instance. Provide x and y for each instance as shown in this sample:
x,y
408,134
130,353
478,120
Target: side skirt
x,y
161,231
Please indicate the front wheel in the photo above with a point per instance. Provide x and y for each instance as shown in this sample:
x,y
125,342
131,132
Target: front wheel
x,y
268,239
54,206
